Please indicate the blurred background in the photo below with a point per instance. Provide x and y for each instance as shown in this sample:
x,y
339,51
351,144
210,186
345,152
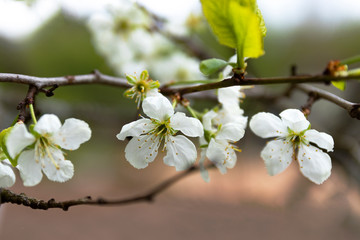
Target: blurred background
x,y
55,38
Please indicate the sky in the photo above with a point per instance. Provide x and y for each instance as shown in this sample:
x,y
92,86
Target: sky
x,y
18,20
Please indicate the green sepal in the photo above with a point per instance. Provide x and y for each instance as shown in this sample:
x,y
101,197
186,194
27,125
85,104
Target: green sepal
x,y
339,85
212,65
144,75
4,154
131,79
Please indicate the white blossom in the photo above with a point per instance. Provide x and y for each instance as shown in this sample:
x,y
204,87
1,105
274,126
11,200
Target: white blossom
x,y
40,151
163,124
294,140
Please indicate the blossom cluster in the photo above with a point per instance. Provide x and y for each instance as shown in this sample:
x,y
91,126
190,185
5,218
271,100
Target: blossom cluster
x,y
126,36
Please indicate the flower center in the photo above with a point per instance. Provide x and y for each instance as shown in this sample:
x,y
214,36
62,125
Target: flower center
x,y
43,150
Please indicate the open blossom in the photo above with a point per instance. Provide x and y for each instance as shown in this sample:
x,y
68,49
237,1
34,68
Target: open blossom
x,y
40,151
148,134
294,140
220,137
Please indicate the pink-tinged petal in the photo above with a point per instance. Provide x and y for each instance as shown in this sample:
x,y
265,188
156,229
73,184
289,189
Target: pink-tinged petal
x,y
30,170
181,153
7,176
231,131
158,108
322,140
314,163
295,120
48,124
136,128
221,154
73,133
189,126
142,150
267,125
18,139
277,155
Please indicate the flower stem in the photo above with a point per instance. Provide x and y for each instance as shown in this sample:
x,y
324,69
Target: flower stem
x,y
351,60
354,72
32,112
174,103
192,112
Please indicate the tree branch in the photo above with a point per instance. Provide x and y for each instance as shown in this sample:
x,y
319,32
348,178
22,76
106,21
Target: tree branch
x,y
352,108
6,196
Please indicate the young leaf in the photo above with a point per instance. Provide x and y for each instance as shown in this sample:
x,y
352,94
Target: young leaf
x,y
210,66
339,84
237,24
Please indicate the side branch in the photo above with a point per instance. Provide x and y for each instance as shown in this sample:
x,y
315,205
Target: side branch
x,y
6,196
352,108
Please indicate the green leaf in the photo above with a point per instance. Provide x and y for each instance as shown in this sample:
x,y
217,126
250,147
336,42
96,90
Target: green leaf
x,y
339,84
237,24
210,66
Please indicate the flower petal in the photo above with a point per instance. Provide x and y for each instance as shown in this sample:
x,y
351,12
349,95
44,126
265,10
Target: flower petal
x,y
55,167
30,170
314,163
229,96
203,171
142,150
294,119
136,128
267,125
221,154
18,139
48,123
158,108
322,140
181,152
190,126
231,131
277,155
7,176
73,133
207,119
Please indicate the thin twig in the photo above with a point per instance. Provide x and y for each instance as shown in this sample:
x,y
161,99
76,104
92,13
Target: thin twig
x,y
6,196
352,108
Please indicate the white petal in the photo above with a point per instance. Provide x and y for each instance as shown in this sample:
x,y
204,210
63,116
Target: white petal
x,y
231,131
267,125
203,171
277,155
48,123
73,133
207,119
30,170
314,163
322,140
18,139
229,96
7,176
292,115
233,114
136,128
158,107
64,169
221,154
181,153
153,93
142,150
190,126
294,119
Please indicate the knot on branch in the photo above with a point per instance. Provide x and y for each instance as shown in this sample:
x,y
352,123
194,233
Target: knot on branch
x,y
313,97
355,111
239,78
